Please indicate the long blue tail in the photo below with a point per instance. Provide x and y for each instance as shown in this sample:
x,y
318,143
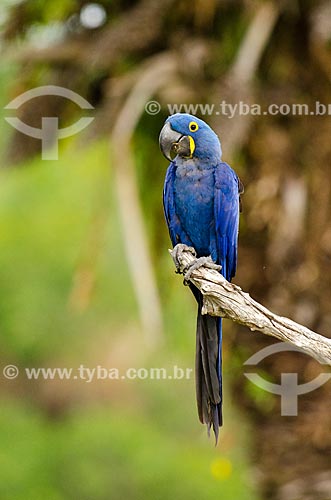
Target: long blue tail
x,y
217,408
208,369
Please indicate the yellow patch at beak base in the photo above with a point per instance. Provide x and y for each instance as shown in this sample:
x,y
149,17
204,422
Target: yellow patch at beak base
x,y
192,145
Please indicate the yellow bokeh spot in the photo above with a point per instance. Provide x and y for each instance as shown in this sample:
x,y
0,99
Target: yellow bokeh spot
x,y
221,468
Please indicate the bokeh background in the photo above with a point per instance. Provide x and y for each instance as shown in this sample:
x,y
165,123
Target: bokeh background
x,y
85,275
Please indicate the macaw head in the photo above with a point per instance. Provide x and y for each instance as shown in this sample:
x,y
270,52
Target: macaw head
x,y
189,137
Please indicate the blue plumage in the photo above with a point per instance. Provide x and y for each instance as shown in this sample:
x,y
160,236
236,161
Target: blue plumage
x,y
201,204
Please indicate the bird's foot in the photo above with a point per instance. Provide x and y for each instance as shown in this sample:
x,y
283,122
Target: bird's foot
x,y
178,250
187,270
200,262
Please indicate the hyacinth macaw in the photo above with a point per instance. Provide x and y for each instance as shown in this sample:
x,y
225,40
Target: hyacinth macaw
x,y
201,200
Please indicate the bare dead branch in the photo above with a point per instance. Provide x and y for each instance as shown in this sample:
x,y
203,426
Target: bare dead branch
x,y
221,298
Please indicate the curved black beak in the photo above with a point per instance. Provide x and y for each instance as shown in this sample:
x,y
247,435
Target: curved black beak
x,y
173,143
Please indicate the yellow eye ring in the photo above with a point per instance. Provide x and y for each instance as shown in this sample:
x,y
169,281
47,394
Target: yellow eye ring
x,y
193,126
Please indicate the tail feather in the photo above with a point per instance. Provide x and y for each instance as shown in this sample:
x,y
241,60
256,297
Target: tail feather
x,y
220,363
209,370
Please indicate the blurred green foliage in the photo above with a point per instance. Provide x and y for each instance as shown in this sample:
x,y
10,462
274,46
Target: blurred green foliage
x,y
49,211
98,454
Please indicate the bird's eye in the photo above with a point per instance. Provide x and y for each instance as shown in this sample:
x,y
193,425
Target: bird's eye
x,y
193,126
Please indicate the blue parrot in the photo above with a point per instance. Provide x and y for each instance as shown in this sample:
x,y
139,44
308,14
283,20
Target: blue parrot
x,y
201,201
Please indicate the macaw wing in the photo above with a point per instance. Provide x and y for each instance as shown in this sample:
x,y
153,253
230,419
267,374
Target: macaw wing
x,y
173,223
226,212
